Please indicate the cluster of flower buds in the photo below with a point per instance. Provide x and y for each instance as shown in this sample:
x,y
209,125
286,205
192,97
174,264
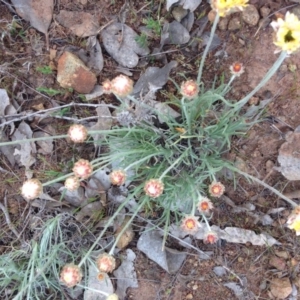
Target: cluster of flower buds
x,y
121,86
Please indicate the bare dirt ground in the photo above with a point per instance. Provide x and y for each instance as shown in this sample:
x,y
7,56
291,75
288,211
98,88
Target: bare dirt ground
x,y
256,153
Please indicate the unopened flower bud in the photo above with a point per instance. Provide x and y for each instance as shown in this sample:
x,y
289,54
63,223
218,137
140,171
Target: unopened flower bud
x,y
117,177
106,263
77,133
31,189
112,297
237,69
210,237
83,169
72,183
70,275
205,205
106,86
216,189
190,224
122,86
154,188
189,89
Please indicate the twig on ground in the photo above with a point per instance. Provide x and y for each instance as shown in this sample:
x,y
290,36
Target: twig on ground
x,y
7,217
21,116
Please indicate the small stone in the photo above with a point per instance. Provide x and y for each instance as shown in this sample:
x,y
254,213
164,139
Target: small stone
x,y
269,165
223,23
278,263
281,288
282,254
264,11
242,42
234,24
195,287
189,296
73,73
179,13
253,100
250,15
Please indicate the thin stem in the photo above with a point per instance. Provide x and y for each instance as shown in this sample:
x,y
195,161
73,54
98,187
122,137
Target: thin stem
x,y
141,160
33,140
212,33
269,74
106,226
228,85
171,167
126,226
206,222
267,186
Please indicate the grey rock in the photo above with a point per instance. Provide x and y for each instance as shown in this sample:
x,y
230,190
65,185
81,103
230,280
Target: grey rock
x,y
179,13
250,15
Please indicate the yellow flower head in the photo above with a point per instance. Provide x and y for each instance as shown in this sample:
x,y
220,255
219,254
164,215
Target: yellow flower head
x,y
223,7
287,33
293,221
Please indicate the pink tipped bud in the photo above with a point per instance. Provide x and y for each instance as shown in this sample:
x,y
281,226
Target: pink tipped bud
x,y
237,69
154,188
189,89
122,86
72,183
106,263
117,177
216,189
77,133
83,169
31,189
70,275
210,237
205,205
190,224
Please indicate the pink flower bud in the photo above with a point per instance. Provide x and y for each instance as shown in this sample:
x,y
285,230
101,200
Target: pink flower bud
x,y
205,205
122,86
117,177
31,189
216,189
106,263
72,183
70,275
210,237
189,89
77,133
83,169
190,224
154,188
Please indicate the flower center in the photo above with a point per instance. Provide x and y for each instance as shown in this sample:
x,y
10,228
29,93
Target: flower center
x,y
288,37
190,224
